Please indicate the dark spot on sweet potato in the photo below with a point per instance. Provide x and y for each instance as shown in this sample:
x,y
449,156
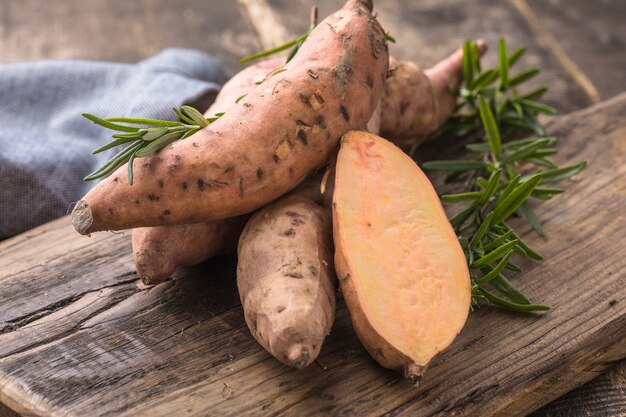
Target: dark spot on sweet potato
x,y
240,186
312,74
200,184
137,202
288,233
612,302
301,123
305,99
320,121
228,168
275,158
369,81
177,157
290,172
280,309
293,214
374,45
296,275
185,185
116,179
302,137
166,212
344,113
110,210
194,144
313,270
403,106
153,197
328,135
319,98
297,222
259,173
160,183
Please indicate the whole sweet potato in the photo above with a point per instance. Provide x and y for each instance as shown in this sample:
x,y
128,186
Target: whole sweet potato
x,y
285,276
264,146
159,250
415,103
401,268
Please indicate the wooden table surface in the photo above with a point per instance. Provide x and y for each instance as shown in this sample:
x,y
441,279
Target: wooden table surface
x,y
580,49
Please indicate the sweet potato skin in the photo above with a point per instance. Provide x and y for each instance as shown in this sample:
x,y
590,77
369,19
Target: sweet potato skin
x,y
159,251
408,302
285,277
263,147
417,102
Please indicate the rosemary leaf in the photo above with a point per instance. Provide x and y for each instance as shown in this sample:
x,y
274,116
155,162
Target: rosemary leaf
x,y
109,125
494,255
455,198
491,128
521,308
454,165
561,174
504,208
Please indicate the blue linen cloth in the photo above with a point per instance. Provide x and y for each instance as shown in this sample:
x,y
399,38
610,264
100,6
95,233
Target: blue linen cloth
x,y
45,143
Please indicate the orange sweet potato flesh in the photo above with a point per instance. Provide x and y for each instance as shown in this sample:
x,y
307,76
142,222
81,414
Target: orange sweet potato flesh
x,y
263,147
285,277
402,271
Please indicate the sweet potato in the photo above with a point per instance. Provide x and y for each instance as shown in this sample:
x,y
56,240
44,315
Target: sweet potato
x,y
263,147
415,103
285,276
159,251
401,269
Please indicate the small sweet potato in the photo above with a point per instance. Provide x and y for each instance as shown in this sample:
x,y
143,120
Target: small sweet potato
x,y
285,276
401,268
415,103
159,251
264,146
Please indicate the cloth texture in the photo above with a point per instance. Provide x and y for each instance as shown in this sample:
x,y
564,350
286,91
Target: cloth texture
x,y
45,143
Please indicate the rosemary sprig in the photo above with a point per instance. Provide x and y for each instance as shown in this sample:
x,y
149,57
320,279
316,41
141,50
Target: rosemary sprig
x,y
498,176
145,137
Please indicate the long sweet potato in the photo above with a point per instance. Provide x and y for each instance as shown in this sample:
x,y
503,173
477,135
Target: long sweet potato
x,y
263,147
285,276
401,269
159,250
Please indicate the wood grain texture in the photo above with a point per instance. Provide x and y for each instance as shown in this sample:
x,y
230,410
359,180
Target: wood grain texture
x,y
118,30
428,30
82,336
598,43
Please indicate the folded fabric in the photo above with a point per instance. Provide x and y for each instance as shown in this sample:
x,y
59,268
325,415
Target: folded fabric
x,y
45,143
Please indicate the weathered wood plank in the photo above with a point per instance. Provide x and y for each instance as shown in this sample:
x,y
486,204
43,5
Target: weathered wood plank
x,y
428,30
124,31
105,345
597,44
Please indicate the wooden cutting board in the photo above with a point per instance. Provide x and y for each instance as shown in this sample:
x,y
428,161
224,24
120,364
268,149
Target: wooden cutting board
x,y
81,336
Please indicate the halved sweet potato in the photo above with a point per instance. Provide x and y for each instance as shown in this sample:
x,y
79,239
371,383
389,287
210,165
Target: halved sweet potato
x,y
402,271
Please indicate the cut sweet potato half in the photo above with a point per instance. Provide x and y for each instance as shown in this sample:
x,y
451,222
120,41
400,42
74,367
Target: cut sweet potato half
x,y
402,271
